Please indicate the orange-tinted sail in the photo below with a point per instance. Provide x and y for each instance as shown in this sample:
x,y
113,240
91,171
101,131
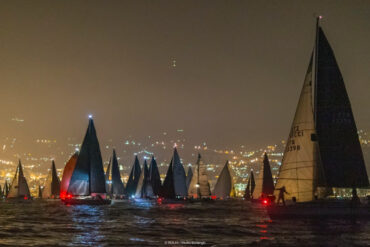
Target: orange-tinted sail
x,y
67,174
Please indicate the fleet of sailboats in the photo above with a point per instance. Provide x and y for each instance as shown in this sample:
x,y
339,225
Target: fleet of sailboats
x,y
322,152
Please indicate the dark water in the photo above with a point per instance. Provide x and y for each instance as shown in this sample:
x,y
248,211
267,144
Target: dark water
x,y
144,224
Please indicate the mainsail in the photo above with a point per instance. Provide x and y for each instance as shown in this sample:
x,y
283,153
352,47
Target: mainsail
x,y
19,186
154,177
52,185
88,176
168,189
199,185
297,171
117,184
144,188
133,178
189,176
253,183
265,182
6,189
67,174
40,191
179,177
224,184
340,151
174,184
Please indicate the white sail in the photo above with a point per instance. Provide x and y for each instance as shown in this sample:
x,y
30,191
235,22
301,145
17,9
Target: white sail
x,y
199,185
224,184
258,189
19,186
298,165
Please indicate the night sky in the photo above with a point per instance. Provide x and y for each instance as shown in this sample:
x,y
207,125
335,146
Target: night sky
x,y
239,69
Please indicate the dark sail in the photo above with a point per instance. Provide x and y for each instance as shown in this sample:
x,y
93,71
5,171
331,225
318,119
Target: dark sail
x,y
340,151
168,188
253,183
267,183
55,184
88,176
146,180
189,177
247,193
117,185
154,177
133,178
179,176
6,189
40,191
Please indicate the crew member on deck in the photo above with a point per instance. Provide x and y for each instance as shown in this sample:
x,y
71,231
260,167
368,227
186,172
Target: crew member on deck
x,y
281,195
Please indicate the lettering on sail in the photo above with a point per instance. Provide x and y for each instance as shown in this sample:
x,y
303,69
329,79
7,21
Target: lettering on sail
x,y
294,133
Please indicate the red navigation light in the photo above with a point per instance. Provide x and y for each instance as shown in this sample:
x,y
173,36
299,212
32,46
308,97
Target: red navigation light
x,y
159,200
213,197
69,196
63,195
265,201
25,198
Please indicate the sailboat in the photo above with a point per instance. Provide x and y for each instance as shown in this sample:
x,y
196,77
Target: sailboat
x,y
174,185
189,176
87,184
144,188
67,174
323,149
6,189
199,186
264,184
251,185
224,185
19,188
40,192
133,179
114,184
154,177
52,186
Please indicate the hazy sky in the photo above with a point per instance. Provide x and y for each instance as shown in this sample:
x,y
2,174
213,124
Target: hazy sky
x,y
240,66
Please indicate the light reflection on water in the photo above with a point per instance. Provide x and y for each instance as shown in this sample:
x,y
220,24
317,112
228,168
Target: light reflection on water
x,y
143,223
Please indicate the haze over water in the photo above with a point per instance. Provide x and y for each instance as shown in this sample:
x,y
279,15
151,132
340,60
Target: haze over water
x,y
227,223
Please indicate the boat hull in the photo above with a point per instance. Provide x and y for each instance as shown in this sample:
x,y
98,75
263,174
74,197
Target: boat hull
x,y
78,201
319,211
